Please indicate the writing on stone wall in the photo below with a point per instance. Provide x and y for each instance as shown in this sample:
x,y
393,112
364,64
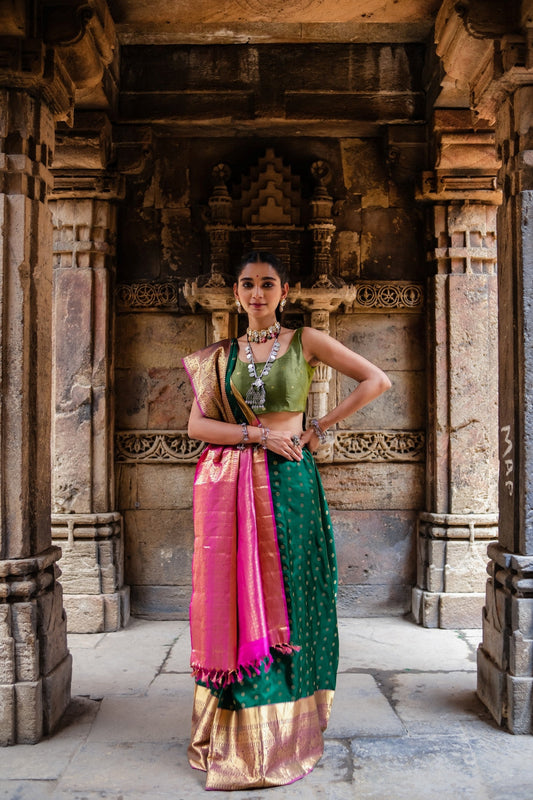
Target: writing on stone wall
x,y
508,459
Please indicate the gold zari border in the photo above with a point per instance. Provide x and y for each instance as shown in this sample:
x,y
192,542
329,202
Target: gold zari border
x,y
269,745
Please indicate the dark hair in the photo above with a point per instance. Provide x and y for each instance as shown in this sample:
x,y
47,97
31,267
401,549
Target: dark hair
x,y
257,256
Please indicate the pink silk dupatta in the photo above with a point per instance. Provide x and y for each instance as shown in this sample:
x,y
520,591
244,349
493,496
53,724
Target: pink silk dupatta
x,y
238,610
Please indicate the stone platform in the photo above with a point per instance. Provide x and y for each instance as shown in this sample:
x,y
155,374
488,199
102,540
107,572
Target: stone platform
x,y
406,723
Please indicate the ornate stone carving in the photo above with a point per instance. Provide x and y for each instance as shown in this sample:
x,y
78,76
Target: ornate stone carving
x,y
379,446
386,295
321,222
175,447
486,52
220,224
147,295
156,446
466,235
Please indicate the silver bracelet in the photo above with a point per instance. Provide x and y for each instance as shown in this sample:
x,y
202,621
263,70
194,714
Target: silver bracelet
x,y
264,437
322,438
245,438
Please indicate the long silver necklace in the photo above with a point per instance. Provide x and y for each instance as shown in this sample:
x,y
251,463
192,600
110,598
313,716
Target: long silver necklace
x,y
256,394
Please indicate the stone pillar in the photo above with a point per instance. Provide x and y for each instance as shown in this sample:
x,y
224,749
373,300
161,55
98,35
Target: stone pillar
x,y
505,657
84,520
461,496
35,667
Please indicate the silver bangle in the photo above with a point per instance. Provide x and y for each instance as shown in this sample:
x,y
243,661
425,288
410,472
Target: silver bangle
x,y
264,437
322,438
245,438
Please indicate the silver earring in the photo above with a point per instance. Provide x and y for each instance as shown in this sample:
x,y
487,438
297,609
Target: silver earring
x,y
239,307
282,304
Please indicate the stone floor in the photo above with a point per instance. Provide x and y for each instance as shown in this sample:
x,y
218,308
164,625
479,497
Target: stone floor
x,y
406,724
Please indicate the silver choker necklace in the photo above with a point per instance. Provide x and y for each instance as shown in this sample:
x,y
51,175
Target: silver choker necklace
x,y
256,394
267,333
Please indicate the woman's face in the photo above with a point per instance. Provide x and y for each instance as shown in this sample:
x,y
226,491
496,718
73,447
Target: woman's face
x,y
259,289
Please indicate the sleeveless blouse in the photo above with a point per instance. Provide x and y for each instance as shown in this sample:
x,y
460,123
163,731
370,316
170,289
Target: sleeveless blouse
x,y
288,382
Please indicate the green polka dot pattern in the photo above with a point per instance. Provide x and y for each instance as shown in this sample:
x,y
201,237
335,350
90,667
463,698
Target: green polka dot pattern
x,y
307,550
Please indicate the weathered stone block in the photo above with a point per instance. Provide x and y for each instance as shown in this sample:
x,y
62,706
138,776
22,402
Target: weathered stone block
x,y
390,242
161,602
430,610
435,570
157,398
29,714
56,693
374,547
519,704
7,661
374,485
27,659
158,546
164,486
466,566
461,610
490,684
394,341
24,621
422,562
80,568
495,643
522,616
116,610
52,629
85,613
373,600
7,715
107,559
5,621
520,655
401,408
156,340
495,633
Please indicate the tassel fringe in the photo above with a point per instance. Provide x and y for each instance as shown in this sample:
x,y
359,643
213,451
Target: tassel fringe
x,y
220,679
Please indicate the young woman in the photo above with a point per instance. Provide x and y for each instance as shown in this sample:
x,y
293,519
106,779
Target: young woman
x,y
263,616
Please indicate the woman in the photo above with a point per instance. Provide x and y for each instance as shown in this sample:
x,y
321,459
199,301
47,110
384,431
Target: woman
x,y
263,617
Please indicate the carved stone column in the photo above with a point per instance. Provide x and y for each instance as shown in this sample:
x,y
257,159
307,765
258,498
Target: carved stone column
x,y
505,657
461,495
84,520
488,50
35,666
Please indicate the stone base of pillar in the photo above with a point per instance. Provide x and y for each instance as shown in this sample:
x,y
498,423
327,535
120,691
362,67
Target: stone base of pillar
x,y
505,656
452,569
35,665
446,610
90,613
92,567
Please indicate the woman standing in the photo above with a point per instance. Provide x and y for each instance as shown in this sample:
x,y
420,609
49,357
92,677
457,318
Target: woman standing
x,y
263,616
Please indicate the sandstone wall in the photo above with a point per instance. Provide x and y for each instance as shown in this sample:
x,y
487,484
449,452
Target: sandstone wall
x,y
375,499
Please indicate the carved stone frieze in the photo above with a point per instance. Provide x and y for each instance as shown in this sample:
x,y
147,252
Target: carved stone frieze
x,y
156,447
379,446
176,447
147,295
323,296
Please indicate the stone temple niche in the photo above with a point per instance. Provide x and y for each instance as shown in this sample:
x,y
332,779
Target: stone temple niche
x,y
268,211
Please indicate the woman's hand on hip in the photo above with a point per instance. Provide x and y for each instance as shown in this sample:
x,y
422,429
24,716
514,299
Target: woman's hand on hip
x,y
286,444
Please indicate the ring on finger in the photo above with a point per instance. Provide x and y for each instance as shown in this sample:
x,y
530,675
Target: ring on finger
x,y
295,440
